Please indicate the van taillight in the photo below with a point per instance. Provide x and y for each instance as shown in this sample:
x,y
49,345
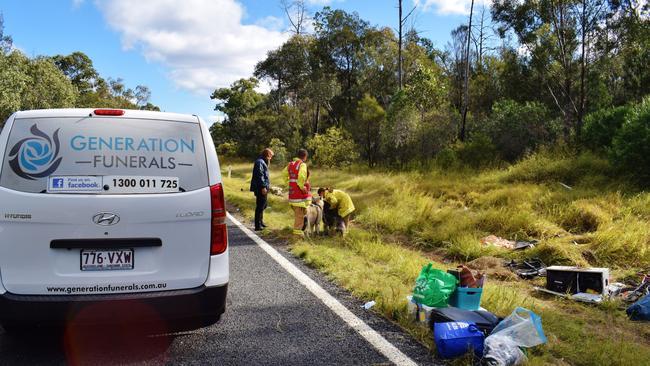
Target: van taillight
x,y
109,112
219,233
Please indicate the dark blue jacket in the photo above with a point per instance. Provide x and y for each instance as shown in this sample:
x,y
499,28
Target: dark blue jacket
x,y
261,177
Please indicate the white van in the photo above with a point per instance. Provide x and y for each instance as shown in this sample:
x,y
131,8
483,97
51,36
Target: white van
x,y
121,208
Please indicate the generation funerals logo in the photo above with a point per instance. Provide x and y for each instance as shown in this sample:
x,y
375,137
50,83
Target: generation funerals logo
x,y
37,156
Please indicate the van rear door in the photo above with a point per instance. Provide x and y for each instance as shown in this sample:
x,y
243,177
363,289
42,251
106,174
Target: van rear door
x,y
95,205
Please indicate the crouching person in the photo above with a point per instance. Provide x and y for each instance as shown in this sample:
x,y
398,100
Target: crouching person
x,y
341,202
299,196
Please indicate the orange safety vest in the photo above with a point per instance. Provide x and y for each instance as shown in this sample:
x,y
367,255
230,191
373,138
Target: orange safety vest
x,y
295,193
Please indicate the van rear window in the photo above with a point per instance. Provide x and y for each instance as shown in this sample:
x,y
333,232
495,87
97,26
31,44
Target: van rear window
x,y
39,149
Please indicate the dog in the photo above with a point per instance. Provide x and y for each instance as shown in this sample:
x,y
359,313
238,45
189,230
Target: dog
x,y
314,217
332,220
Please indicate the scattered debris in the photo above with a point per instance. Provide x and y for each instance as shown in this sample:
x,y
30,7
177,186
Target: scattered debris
x,y
369,305
522,328
522,245
508,244
574,280
498,242
634,293
527,269
466,277
615,289
454,339
566,186
276,191
502,351
433,287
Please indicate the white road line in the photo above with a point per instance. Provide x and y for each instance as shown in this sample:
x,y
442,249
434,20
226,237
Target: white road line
x,y
380,343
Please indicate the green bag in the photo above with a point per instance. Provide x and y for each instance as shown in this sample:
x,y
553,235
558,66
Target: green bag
x,y
433,287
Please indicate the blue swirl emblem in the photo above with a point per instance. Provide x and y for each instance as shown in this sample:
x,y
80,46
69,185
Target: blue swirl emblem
x,y
37,156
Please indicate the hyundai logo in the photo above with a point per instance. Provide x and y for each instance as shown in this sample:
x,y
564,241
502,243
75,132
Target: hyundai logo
x,y
106,219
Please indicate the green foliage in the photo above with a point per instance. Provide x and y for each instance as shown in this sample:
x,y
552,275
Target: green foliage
x,y
519,128
228,149
478,152
60,82
78,67
48,88
601,126
333,149
281,155
239,99
370,117
631,145
13,81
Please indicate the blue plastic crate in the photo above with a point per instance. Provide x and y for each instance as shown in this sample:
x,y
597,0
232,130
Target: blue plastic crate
x,y
466,298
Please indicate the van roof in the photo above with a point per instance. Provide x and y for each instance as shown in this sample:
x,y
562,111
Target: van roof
x,y
128,113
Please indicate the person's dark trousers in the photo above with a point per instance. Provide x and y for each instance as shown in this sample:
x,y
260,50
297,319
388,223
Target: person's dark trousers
x,y
260,206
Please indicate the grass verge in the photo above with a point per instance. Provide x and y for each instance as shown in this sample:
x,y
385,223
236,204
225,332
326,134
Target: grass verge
x,y
406,220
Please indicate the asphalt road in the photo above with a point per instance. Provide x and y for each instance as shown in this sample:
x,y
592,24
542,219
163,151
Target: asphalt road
x,y
271,319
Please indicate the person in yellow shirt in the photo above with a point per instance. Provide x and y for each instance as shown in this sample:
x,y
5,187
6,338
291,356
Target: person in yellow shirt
x,y
299,196
340,201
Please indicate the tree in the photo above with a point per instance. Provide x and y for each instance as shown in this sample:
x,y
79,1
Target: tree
x,y
238,100
47,87
13,81
333,149
340,37
519,128
466,87
549,30
370,117
142,95
296,12
78,67
400,39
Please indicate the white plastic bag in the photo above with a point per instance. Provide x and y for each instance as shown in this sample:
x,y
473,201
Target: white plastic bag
x,y
502,351
523,326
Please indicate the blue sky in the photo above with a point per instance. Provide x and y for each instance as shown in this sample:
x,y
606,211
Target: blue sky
x,y
184,49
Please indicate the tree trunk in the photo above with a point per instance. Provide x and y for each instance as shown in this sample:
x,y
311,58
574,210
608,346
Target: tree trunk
x,y
583,70
399,48
463,125
317,119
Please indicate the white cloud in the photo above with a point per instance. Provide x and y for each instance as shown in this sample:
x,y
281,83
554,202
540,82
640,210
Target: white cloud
x,y
202,42
77,3
446,7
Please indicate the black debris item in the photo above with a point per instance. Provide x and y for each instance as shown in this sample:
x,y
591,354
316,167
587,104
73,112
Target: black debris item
x,y
484,320
527,269
523,245
634,293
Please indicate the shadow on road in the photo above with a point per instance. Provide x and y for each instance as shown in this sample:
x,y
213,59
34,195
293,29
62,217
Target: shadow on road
x,y
86,346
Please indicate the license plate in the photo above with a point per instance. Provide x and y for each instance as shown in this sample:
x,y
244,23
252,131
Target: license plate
x,y
106,260
140,184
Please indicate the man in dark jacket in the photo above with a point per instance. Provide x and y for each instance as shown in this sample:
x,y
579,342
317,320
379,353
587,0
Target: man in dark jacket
x,y
260,186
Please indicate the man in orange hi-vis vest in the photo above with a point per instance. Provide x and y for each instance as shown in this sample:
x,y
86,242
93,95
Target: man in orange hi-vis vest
x,y
299,195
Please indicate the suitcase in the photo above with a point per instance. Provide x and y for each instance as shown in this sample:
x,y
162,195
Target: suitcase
x,y
484,320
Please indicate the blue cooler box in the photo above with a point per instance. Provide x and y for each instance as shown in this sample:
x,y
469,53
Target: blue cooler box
x,y
454,339
466,298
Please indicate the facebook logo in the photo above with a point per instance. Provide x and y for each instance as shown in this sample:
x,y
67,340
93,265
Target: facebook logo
x,y
57,183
